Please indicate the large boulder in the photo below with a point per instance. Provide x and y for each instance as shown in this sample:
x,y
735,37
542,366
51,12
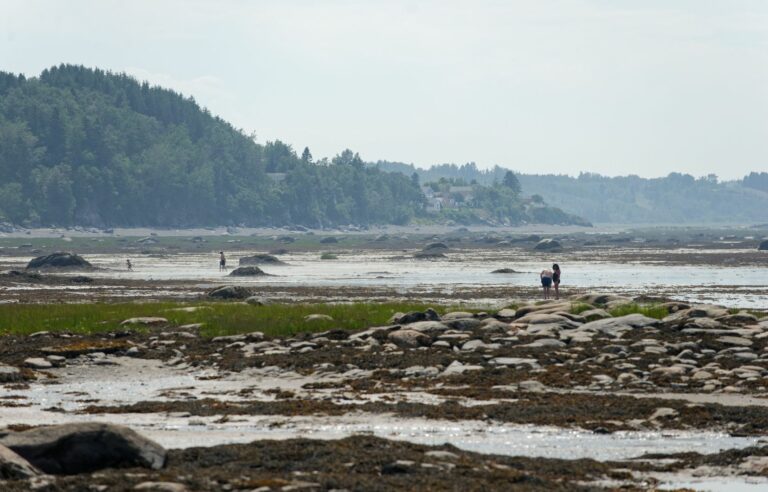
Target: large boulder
x,y
548,245
230,292
247,271
9,374
80,448
763,246
408,338
14,467
260,259
59,260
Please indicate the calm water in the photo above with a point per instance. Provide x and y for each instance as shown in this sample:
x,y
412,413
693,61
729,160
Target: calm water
x,y
733,286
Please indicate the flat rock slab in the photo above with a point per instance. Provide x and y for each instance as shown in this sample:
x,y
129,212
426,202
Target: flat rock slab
x,y
515,362
38,363
737,341
78,448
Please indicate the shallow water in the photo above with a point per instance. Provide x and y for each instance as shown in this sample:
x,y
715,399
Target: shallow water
x,y
728,285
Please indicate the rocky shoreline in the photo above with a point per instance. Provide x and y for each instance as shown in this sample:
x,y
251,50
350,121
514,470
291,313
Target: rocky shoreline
x,y
568,364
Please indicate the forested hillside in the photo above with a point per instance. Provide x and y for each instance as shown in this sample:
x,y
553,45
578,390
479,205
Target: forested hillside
x,y
82,146
675,198
87,147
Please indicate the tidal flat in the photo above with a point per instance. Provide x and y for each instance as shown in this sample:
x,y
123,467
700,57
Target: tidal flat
x,y
378,370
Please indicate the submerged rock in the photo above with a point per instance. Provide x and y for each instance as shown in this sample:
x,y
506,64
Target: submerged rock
x,y
78,448
59,260
428,255
505,270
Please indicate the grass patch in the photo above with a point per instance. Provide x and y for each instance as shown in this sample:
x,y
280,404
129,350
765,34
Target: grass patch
x,y
217,318
650,310
580,307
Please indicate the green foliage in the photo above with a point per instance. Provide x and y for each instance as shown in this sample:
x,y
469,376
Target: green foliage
x,y
88,147
217,318
650,310
580,307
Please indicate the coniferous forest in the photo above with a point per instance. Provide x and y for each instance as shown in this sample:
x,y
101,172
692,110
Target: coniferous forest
x,y
81,146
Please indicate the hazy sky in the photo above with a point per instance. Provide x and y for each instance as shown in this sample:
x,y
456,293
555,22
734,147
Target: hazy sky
x,y
616,87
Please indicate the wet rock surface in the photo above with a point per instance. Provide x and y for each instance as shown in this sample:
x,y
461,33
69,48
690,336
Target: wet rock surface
x,y
565,363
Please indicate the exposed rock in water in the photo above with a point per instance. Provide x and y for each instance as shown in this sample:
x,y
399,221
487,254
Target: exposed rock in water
x,y
260,259
60,260
329,240
230,292
505,270
78,448
247,271
9,374
435,247
548,245
763,245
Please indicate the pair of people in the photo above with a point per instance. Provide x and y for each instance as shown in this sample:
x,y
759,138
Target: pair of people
x,y
550,278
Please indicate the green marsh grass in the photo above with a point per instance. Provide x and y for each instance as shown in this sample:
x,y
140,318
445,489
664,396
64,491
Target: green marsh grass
x,y
650,310
217,318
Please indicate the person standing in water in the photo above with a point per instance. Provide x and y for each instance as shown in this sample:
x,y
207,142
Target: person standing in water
x,y
222,261
129,264
556,279
546,281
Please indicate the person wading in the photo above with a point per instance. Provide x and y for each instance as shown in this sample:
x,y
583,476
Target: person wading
x,y
222,261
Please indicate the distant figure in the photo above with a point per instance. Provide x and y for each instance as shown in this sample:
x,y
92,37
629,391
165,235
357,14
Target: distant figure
x,y
546,281
129,264
556,279
222,261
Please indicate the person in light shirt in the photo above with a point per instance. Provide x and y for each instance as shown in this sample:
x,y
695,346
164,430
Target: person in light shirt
x,y
546,281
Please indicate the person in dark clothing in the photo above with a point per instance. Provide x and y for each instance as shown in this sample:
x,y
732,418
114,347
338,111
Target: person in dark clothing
x,y
222,261
556,279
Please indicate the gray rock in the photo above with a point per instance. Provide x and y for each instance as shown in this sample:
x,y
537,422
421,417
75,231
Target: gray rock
x,y
162,487
457,315
9,374
230,292
59,260
617,326
546,343
260,259
506,313
738,341
37,363
541,318
763,246
457,367
79,448
595,314
258,301
431,327
14,467
408,338
247,271
145,321
412,317
465,324
548,245
317,317
515,362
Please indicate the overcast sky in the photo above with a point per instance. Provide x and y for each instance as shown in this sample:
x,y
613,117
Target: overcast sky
x,y
616,87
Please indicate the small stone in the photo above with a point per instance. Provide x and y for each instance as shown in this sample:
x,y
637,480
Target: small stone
x,y
317,317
